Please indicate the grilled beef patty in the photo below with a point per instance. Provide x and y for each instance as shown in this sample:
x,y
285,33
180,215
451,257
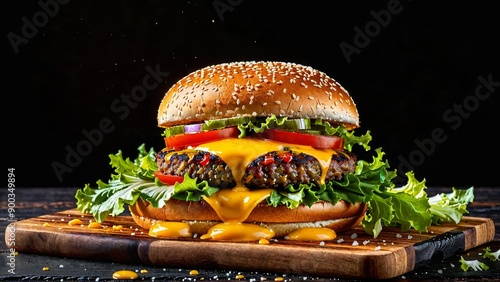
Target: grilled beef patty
x,y
274,170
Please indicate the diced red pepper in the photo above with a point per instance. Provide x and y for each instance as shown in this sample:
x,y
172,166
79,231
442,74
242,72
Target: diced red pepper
x,y
205,160
268,159
286,156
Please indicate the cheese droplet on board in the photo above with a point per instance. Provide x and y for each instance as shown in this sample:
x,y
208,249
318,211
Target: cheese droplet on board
x,y
170,229
312,234
125,275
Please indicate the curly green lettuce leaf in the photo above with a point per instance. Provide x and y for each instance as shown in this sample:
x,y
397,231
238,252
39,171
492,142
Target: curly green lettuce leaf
x,y
476,265
380,213
493,256
143,166
411,212
349,138
413,187
450,207
411,205
110,198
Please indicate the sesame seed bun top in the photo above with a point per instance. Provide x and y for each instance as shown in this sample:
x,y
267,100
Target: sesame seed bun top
x,y
257,89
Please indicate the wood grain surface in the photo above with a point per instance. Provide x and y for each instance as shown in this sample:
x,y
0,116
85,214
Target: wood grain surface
x,y
353,254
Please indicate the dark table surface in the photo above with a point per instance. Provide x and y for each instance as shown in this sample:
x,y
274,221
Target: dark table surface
x,y
32,202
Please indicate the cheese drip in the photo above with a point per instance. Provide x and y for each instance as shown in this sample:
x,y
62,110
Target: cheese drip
x,y
235,205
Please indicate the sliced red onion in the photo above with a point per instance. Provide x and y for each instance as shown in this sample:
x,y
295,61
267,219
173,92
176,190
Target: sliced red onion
x,y
191,128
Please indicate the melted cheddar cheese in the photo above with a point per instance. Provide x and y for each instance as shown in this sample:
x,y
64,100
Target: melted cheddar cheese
x,y
239,153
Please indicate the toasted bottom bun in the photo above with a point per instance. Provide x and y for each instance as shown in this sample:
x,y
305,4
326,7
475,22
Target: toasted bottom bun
x,y
282,220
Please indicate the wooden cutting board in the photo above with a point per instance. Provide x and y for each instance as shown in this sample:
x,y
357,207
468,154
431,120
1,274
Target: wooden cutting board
x,y
352,254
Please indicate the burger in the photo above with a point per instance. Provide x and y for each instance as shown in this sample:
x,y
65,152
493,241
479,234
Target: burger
x,y
256,150
245,128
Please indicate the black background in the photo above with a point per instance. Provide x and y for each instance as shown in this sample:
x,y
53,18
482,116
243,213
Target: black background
x,y
407,79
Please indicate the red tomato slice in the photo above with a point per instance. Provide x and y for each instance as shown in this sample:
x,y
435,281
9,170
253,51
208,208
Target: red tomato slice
x,y
316,141
168,179
179,142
